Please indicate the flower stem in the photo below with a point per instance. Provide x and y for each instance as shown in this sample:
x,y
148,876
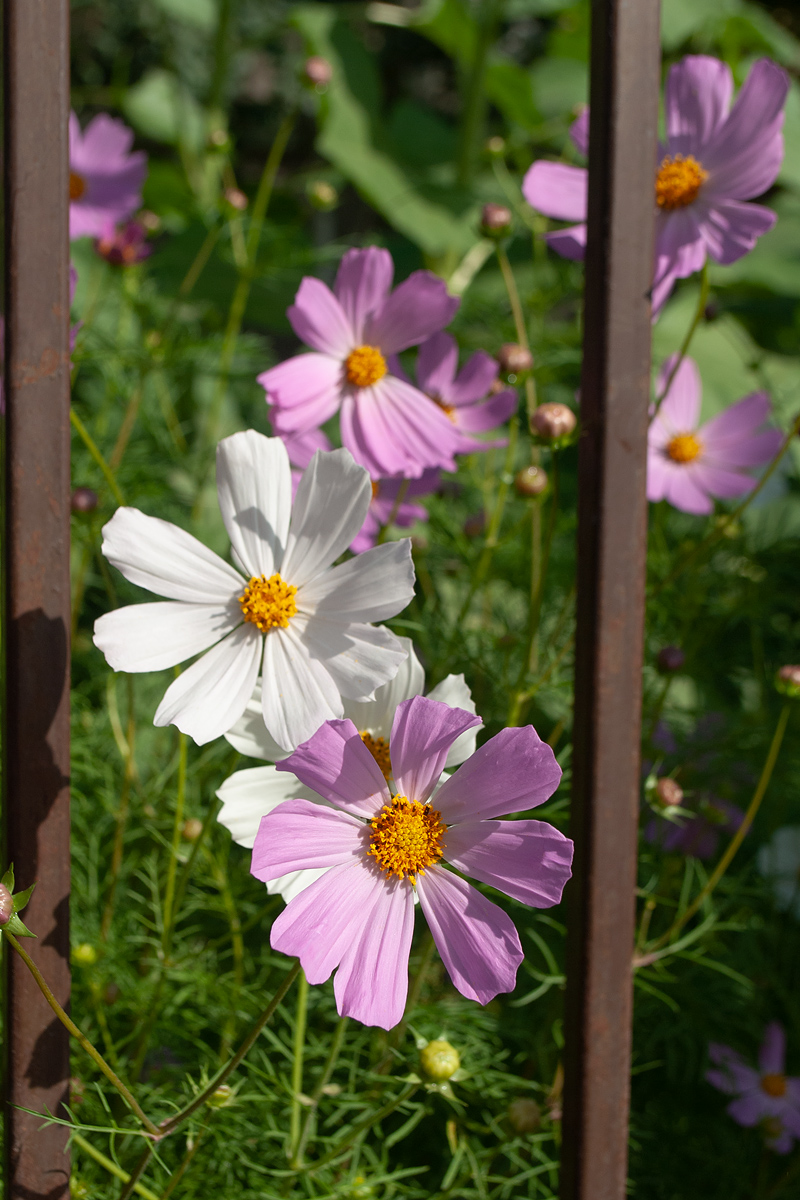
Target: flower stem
x,y
137,1173
81,1038
297,1063
110,1166
177,825
126,749
185,1161
474,104
327,1071
519,324
398,500
690,332
91,446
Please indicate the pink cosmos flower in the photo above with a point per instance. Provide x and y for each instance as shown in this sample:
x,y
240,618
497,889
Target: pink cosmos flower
x,y
767,1096
105,179
124,245
384,848
716,157
463,395
389,426
687,464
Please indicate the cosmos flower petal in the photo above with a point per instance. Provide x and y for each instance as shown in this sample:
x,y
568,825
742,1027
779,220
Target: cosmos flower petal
x,y
371,984
414,310
528,860
374,586
751,173
772,1055
557,190
319,320
249,795
297,692
569,243
716,481
301,447
748,1110
305,391
437,363
477,941
737,422
249,735
423,733
479,418
329,509
514,771
756,113
734,1071
363,282
298,834
697,98
394,429
210,696
255,498
781,1144
579,132
473,380
336,764
376,716
112,177
359,658
684,490
157,555
731,228
454,690
149,637
680,408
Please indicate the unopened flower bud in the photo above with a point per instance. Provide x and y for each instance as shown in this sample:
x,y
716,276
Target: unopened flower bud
x,y
85,954
192,829
524,1115
787,681
84,500
6,904
322,195
439,1060
318,71
669,793
496,220
236,198
150,220
218,138
514,359
496,145
553,421
222,1097
711,311
670,658
530,481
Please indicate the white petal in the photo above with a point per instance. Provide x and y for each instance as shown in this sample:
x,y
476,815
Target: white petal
x,y
454,690
294,883
254,486
370,587
249,735
329,510
359,658
149,637
376,716
166,560
249,795
297,693
209,698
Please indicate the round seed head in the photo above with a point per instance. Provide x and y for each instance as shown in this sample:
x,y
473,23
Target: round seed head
x,y
552,421
530,481
84,500
514,359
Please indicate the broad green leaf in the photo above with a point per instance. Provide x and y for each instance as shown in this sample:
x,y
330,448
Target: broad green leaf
x,y
201,13
161,108
559,85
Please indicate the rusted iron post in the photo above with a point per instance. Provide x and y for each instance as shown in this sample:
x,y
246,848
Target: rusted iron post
x,y
612,512
36,580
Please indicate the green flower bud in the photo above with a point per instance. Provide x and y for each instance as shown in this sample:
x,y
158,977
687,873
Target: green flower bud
x,y
787,681
439,1060
85,954
524,1115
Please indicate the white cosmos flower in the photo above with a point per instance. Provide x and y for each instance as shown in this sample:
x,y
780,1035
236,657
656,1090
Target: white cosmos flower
x,y
779,863
250,794
288,611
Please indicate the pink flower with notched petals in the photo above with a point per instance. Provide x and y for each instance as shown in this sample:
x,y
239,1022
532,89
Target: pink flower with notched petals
x,y
105,179
389,426
715,158
463,395
382,847
688,464
767,1096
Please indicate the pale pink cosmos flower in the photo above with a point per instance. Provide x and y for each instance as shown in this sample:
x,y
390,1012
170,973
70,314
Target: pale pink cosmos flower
x,y
105,178
766,1096
389,426
688,463
716,156
383,848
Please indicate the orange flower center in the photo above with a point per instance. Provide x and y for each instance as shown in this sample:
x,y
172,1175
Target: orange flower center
x,y
268,603
406,837
77,186
364,366
678,181
376,487
448,409
774,1085
379,749
683,447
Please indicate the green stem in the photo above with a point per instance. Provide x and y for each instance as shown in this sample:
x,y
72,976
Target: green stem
x,y
690,332
136,1174
475,97
91,446
327,1071
220,54
81,1038
399,498
519,325
185,1161
201,258
297,1063
110,1166
126,429
126,749
177,825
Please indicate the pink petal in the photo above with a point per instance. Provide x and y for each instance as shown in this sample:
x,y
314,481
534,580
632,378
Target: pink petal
x,y
683,489
748,1110
680,248
362,284
731,228
393,429
372,981
528,860
734,1074
737,422
719,482
557,190
512,772
579,132
104,143
301,447
306,391
657,476
569,243
336,764
477,941
415,309
696,101
298,834
319,320
477,418
680,408
437,363
772,1055
473,380
754,118
751,174
423,731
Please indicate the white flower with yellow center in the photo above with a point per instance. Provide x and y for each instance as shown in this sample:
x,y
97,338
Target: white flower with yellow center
x,y
287,611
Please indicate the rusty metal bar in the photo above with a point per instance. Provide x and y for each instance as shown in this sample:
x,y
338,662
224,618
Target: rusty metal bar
x,y
36,580
612,530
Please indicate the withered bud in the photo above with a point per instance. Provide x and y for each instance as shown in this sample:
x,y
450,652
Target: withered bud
x,y
669,793
236,199
439,1060
670,658
530,481
6,904
84,500
318,70
553,421
322,195
111,993
496,145
192,829
787,681
496,220
524,1115
514,359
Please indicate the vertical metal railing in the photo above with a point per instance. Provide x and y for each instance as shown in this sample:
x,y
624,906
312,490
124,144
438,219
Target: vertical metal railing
x,y
36,580
612,511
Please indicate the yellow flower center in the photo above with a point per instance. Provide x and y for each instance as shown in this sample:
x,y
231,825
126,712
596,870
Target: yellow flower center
x,y
376,487
77,186
774,1085
683,447
406,837
268,603
364,366
678,181
379,749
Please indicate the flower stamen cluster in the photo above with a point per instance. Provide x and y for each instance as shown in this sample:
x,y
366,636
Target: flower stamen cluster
x,y
678,181
379,749
406,837
773,1085
364,366
268,603
684,447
